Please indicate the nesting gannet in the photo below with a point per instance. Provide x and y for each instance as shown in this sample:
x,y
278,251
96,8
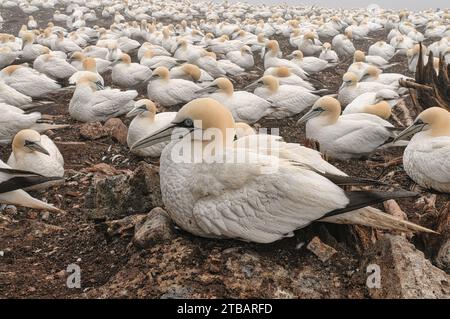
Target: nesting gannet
x,y
191,72
30,50
328,54
426,158
345,136
359,56
262,198
343,44
28,81
126,74
382,49
11,96
285,76
8,56
91,102
370,103
36,153
53,66
310,64
12,183
89,67
77,59
286,100
372,74
151,61
145,122
64,44
167,92
244,106
271,59
242,57
351,89
309,45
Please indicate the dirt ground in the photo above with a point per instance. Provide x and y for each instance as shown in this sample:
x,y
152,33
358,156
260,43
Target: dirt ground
x,y
37,246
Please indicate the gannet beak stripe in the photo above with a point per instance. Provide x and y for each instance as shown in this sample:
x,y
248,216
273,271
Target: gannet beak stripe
x,y
252,85
414,128
22,180
209,89
311,114
162,135
99,85
36,146
136,111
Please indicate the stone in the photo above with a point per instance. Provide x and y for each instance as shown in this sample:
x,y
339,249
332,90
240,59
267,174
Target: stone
x,y
155,228
123,227
93,131
114,197
117,130
404,271
321,250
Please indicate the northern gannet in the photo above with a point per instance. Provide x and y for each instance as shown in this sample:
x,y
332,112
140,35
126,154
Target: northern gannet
x,y
310,64
127,75
262,198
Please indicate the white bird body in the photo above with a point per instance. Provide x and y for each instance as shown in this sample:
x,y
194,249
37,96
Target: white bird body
x,y
285,77
382,49
243,57
8,56
126,74
11,96
358,105
53,66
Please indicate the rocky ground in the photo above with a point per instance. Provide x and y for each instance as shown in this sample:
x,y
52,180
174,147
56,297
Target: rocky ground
x,y
114,228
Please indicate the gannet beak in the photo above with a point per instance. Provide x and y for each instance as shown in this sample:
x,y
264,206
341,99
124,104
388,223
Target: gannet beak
x,y
252,85
290,56
414,128
114,63
99,85
311,114
36,146
162,135
136,111
209,89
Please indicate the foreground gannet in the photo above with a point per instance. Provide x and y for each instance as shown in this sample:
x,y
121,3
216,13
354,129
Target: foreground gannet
x,y
36,153
244,106
12,183
145,122
286,100
28,81
345,136
426,158
167,92
10,96
91,102
328,54
310,64
351,88
262,198
127,75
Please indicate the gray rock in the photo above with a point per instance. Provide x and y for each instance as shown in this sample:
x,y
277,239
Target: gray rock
x,y
177,292
404,271
443,256
114,197
155,228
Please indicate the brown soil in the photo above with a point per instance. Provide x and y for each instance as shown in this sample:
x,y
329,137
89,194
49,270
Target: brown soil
x,y
34,261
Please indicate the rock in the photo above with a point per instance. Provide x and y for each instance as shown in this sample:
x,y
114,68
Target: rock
x,y
443,256
321,250
114,197
117,130
177,292
155,228
93,131
123,227
404,271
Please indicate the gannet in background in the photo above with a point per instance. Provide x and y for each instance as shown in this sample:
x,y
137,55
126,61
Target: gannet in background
x,y
285,76
127,75
151,61
285,100
167,92
36,153
426,158
77,59
89,67
11,96
370,103
309,45
345,136
215,198
64,44
375,60
351,89
373,74
242,57
271,59
145,122
382,49
53,66
343,44
28,81
12,183
191,72
91,102
328,54
8,56
244,106
30,50
310,64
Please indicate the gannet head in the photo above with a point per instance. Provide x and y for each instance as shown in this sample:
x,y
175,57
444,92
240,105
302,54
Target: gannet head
x,y
297,54
9,70
272,47
270,82
91,81
200,114
28,37
381,109
349,79
436,120
77,56
359,56
89,64
222,84
386,95
28,141
371,72
161,72
192,70
327,107
246,50
123,58
243,129
326,46
309,36
143,106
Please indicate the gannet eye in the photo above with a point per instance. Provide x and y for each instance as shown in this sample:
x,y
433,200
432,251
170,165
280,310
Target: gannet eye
x,y
419,122
188,123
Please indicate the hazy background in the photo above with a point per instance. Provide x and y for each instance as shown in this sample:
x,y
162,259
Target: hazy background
x,y
389,4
